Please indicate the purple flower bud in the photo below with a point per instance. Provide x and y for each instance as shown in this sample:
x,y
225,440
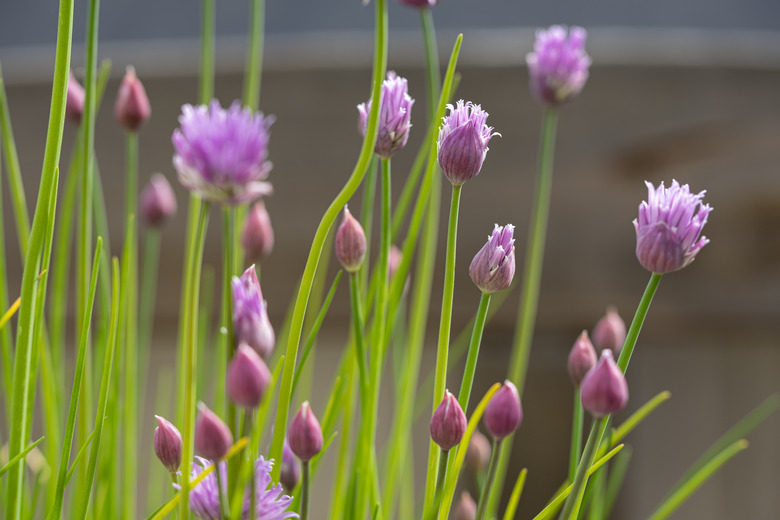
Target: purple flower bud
x,y
158,202
419,4
258,236
463,142
668,228
132,107
291,469
493,267
394,114
247,378
222,155
167,444
604,389
250,315
610,332
305,434
350,242
582,358
212,436
559,65
504,413
478,453
74,102
448,423
466,508
394,258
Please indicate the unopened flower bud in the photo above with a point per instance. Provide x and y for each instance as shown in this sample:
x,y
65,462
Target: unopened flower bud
x,y
466,508
167,444
212,436
448,423
250,314
558,66
305,434
610,332
604,389
291,469
132,107
350,242
394,116
257,238
394,258
158,202
493,267
582,358
463,142
247,378
74,102
478,453
504,412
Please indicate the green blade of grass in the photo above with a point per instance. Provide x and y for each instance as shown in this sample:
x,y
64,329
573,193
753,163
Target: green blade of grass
x,y
19,456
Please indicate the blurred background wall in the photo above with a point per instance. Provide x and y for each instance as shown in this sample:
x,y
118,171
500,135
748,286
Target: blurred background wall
x,y
678,90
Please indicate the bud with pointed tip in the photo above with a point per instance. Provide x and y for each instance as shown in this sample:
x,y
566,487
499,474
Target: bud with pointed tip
x,y
74,102
257,238
504,413
158,202
305,434
250,314
493,267
448,423
610,332
467,508
212,436
350,242
463,142
291,469
582,358
132,107
167,444
478,453
604,389
247,378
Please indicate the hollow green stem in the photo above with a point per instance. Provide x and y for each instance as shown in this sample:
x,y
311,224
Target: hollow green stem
x,y
638,321
357,332
471,360
208,28
223,513
572,505
576,435
433,78
229,231
305,485
254,55
442,476
491,475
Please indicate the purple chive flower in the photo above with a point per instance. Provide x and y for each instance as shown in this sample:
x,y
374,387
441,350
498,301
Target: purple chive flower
x,y
350,243
290,474
466,508
394,114
463,142
257,239
478,453
167,444
212,436
669,227
222,154
74,101
448,423
610,332
604,389
271,504
419,4
132,107
493,267
158,202
504,412
582,358
250,315
247,378
305,434
559,65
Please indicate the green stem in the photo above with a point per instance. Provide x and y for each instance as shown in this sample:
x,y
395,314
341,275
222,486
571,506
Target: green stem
x,y
305,485
491,475
148,294
206,90
471,360
296,325
254,56
229,231
433,78
442,476
444,337
220,493
638,321
576,435
357,332
573,502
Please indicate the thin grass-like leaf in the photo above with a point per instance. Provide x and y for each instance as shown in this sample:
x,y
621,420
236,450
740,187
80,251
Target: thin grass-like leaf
x,y
19,456
514,498
78,457
617,474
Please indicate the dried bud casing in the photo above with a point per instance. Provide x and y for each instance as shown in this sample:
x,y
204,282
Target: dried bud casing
x,y
158,202
305,434
610,332
213,438
604,389
582,358
167,444
448,423
504,412
248,378
132,107
350,243
257,239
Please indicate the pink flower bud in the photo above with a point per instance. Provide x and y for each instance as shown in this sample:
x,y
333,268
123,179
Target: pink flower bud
x,y
610,332
305,434
132,107
604,389
463,142
74,102
582,358
493,267
466,508
394,258
478,454
504,412
250,314
350,242
258,236
212,436
167,444
158,202
247,378
448,423
291,469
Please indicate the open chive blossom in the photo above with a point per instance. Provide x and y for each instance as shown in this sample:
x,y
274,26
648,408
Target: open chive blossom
x,y
250,315
668,229
493,267
394,116
558,66
463,141
222,155
270,503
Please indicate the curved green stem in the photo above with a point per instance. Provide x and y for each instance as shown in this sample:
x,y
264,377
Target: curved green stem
x,y
638,321
471,360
